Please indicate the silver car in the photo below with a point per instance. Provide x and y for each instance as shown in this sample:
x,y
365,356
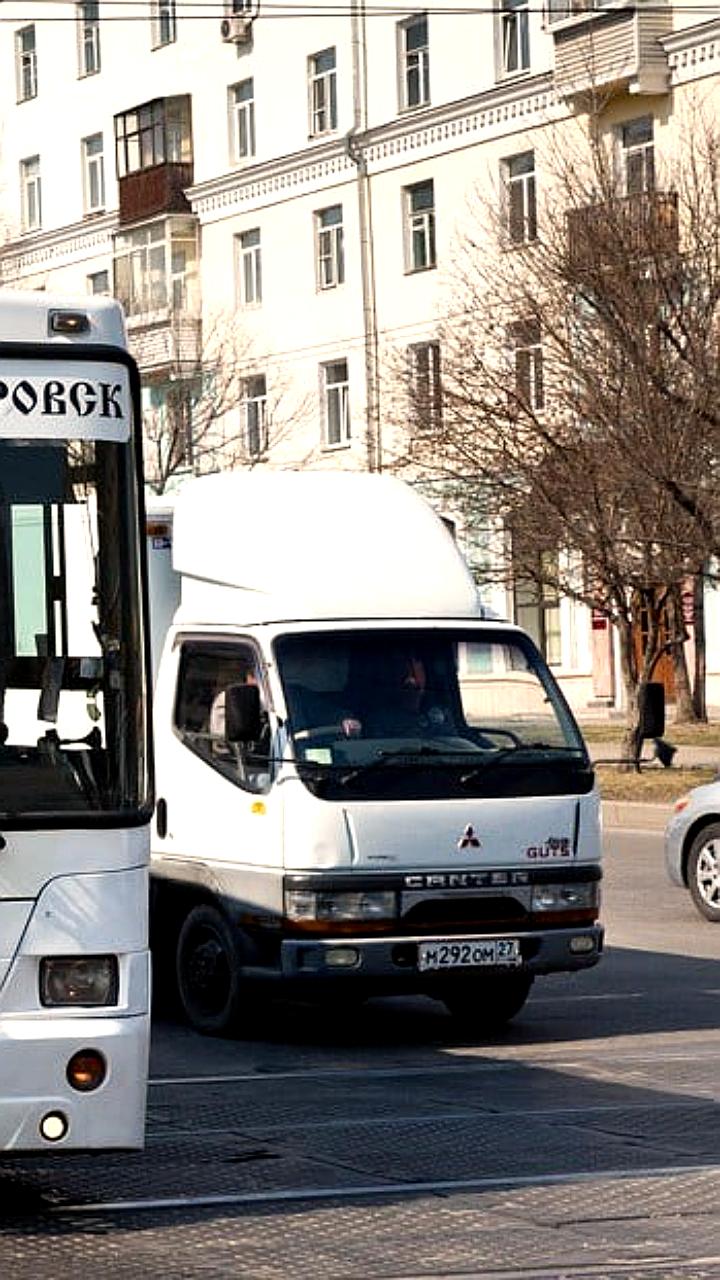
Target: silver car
x,y
692,847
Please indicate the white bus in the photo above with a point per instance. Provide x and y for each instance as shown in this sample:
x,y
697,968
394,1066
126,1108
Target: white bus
x,y
75,764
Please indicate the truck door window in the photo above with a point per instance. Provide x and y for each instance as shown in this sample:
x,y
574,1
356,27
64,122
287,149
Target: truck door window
x,y
206,671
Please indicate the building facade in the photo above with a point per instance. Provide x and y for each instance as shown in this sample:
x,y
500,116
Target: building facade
x,y
274,193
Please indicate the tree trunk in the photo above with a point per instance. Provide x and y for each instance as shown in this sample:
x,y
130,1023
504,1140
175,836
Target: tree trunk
x,y
684,707
631,740
636,674
699,693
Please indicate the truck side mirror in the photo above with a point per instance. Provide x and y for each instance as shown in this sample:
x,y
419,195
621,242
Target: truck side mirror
x,y
652,710
243,721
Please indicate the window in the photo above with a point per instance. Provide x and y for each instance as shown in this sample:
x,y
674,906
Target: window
x,y
638,155
249,268
559,10
330,248
93,173
528,362
206,674
420,226
26,64
158,132
164,23
98,283
514,36
425,386
414,61
242,120
520,198
88,30
537,608
30,193
155,267
337,402
323,93
255,415
168,406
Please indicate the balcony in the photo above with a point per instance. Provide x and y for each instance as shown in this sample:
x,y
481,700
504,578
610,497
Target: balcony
x,y
154,155
168,344
599,49
642,226
151,191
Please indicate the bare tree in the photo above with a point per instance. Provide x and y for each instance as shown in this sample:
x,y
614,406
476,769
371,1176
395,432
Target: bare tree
x,y
218,403
580,378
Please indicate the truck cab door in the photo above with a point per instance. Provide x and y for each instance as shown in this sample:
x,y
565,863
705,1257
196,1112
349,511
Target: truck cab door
x,y
217,823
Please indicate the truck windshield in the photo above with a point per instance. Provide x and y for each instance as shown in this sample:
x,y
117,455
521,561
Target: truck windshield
x,y
72,709
426,714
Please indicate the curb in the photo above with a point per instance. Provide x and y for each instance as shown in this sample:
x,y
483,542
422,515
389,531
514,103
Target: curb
x,y
641,817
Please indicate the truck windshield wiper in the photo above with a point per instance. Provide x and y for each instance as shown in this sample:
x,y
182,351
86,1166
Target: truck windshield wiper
x,y
406,756
522,749
477,762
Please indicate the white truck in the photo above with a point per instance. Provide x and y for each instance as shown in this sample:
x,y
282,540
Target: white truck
x,y
365,785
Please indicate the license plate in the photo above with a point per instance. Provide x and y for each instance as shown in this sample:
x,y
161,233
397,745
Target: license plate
x,y
451,954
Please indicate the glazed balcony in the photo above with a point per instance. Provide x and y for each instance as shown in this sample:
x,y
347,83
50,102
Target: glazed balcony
x,y
154,156
599,48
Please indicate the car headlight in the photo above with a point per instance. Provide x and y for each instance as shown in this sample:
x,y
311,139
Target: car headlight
x,y
83,981
566,897
305,904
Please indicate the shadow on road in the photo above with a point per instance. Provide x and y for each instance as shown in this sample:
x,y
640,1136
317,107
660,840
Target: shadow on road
x,y
373,1108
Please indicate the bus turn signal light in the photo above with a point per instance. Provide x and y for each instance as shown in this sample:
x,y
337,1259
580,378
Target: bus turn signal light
x,y
86,1070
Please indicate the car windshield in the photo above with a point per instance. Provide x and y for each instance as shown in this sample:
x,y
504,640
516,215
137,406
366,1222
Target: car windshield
x,y
427,713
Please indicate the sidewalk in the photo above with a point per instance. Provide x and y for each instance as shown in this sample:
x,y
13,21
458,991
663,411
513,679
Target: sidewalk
x,y
635,817
648,817
686,757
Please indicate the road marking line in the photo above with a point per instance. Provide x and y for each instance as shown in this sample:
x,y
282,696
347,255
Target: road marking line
x,y
380,1189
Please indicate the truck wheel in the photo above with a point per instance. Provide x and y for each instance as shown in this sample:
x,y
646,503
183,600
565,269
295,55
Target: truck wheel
x,y
703,872
489,1004
209,972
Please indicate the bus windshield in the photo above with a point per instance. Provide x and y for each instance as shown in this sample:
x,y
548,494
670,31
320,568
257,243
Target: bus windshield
x,y
72,706
427,713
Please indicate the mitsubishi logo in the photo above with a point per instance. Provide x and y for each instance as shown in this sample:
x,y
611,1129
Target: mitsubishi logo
x,y
468,839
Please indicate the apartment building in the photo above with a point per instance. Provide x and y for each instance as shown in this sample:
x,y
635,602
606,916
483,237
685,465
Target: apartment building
x,y
278,189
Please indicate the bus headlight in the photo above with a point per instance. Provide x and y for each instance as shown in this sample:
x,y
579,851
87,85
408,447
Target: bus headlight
x,y
566,897
306,904
81,981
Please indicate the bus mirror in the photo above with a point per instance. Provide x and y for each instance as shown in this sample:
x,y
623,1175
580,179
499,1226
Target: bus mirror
x,y
652,710
242,713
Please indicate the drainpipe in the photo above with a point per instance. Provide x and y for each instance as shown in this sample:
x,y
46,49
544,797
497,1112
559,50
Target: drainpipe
x,y
356,152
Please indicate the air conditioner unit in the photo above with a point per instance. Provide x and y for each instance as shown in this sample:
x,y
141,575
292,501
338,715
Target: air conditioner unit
x,y
236,30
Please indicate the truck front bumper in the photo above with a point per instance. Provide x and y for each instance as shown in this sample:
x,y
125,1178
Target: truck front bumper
x,y
393,961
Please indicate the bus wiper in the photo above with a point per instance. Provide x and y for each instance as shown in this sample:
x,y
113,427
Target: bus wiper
x,y
519,749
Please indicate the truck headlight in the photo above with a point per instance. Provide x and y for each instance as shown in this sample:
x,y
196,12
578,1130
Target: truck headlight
x,y
82,981
306,904
566,897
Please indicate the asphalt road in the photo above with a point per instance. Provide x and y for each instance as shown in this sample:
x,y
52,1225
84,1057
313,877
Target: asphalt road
x,y
582,1142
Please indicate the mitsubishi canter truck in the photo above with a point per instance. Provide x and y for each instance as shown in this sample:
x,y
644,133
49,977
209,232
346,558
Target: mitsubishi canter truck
x,y
366,786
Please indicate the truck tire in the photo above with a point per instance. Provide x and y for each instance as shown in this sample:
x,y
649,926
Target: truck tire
x,y
703,872
489,1003
210,985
